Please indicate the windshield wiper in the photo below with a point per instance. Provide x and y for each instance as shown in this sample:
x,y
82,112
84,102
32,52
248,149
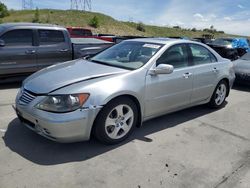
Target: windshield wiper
x,y
99,62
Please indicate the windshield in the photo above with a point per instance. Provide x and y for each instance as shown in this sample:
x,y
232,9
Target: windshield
x,y
223,42
128,54
246,56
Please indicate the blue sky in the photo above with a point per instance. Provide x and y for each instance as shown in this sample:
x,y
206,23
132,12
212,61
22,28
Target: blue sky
x,y
232,16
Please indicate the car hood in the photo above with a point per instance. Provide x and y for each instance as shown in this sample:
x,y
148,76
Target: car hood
x,y
241,66
64,74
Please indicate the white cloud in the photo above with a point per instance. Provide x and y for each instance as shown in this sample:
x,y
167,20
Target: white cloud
x,y
198,15
240,6
227,18
205,18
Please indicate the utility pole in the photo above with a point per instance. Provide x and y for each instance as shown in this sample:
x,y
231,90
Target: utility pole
x,y
85,5
27,4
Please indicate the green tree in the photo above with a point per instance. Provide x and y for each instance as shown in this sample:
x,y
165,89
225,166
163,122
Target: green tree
x,y
3,10
94,22
36,18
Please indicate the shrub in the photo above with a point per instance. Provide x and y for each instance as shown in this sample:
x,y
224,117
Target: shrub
x,y
194,30
94,22
140,27
177,27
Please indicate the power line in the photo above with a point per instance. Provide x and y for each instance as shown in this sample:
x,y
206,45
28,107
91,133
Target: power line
x,y
85,5
27,4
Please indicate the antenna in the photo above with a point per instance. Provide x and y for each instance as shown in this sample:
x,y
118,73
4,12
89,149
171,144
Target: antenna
x,y
27,4
81,5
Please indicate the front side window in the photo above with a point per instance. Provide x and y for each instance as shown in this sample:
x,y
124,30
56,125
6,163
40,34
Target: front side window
x,y
176,55
20,37
201,55
49,37
128,54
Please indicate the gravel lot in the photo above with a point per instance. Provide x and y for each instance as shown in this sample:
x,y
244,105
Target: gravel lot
x,y
197,147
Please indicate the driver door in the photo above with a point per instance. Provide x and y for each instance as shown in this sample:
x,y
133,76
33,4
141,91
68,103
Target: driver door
x,y
169,92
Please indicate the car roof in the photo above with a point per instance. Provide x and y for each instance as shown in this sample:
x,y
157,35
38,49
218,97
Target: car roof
x,y
23,24
160,40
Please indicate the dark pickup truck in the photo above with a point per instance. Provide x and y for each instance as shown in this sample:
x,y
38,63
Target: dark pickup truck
x,y
28,47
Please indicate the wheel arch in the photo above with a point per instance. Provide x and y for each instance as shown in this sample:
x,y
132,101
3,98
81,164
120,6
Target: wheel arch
x,y
228,85
130,96
135,100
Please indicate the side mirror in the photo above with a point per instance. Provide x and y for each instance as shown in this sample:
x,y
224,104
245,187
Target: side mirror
x,y
2,43
162,69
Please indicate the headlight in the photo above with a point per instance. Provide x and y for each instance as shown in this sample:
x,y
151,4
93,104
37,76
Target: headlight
x,y
63,103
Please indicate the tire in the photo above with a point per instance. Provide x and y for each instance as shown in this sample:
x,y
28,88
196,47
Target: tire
x,y
219,96
116,121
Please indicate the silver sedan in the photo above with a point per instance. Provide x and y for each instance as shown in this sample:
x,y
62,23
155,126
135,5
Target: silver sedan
x,y
113,92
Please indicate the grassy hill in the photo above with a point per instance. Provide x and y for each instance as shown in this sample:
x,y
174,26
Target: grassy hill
x,y
107,24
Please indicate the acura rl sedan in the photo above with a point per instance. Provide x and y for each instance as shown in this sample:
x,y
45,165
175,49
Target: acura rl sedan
x,y
110,94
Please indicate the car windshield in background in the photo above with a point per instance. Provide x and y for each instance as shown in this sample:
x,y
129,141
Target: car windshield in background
x,y
128,54
246,56
81,32
223,42
1,29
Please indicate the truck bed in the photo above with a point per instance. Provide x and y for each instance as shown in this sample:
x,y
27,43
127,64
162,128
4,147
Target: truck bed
x,y
88,46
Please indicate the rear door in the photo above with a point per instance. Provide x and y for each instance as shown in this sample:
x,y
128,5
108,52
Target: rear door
x,y
206,71
18,56
169,92
53,47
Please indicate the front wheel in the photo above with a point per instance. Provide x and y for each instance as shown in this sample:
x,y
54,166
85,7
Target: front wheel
x,y
116,121
219,95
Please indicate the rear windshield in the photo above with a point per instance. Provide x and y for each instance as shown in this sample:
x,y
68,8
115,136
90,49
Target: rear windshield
x,y
81,32
223,42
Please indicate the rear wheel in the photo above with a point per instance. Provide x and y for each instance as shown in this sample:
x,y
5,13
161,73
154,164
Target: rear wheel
x,y
219,95
116,121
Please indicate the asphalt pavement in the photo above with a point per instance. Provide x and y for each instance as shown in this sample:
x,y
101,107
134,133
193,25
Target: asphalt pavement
x,y
196,147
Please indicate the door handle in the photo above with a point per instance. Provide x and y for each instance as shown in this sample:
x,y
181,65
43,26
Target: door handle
x,y
64,50
187,75
215,70
30,51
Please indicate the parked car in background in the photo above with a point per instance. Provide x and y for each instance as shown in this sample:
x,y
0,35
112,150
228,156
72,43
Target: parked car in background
x,y
111,93
231,48
28,47
79,32
242,69
202,40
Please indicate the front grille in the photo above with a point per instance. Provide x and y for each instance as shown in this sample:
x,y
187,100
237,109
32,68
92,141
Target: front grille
x,y
26,97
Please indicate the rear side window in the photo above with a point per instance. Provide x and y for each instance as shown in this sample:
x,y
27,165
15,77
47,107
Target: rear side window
x,y
48,37
176,55
201,55
19,37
